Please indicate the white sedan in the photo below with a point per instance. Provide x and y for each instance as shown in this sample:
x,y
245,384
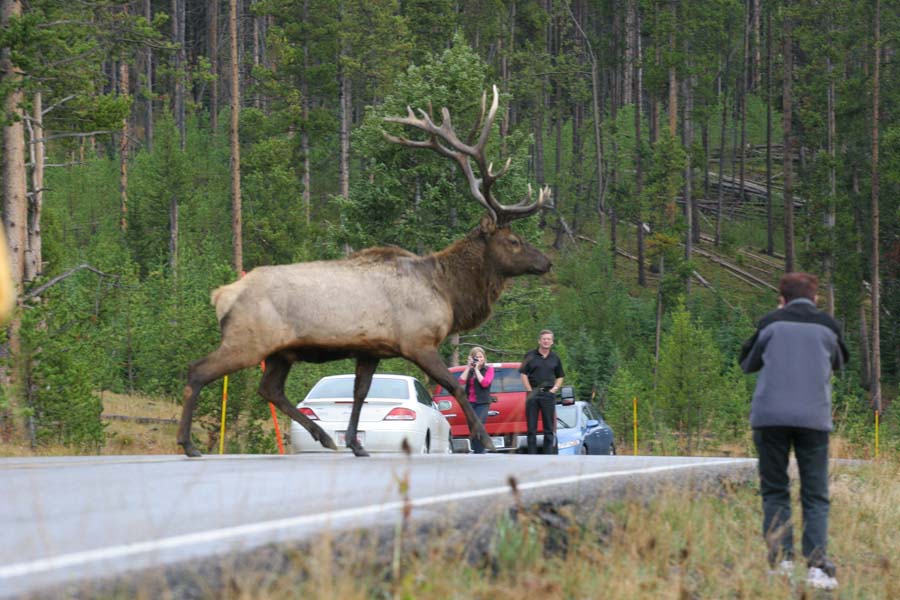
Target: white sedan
x,y
397,407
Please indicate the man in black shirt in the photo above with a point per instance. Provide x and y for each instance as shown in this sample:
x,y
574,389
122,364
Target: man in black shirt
x,y
542,375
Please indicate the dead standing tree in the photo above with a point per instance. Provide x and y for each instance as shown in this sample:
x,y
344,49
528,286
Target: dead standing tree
x,y
379,303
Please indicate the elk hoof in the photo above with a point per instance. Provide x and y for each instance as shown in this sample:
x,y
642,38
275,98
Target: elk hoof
x,y
486,441
191,451
358,450
327,442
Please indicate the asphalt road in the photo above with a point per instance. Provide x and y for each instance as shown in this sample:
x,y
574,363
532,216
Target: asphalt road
x,y
71,519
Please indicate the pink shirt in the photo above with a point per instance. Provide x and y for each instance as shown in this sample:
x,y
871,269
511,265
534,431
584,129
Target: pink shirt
x,y
485,381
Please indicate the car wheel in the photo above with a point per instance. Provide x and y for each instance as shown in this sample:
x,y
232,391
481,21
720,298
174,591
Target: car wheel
x,y
584,450
612,449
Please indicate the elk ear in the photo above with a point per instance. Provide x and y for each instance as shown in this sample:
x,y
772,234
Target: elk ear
x,y
488,224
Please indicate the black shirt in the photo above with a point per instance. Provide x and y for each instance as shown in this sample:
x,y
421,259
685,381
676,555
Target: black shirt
x,y
541,372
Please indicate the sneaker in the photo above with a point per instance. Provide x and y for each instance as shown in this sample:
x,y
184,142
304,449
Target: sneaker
x,y
820,579
784,569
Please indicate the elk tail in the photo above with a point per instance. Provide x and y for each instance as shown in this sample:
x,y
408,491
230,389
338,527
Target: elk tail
x,y
223,298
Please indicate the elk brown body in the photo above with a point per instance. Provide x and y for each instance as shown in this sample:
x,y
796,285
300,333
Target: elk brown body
x,y
378,303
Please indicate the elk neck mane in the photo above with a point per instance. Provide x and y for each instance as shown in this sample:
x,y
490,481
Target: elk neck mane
x,y
471,284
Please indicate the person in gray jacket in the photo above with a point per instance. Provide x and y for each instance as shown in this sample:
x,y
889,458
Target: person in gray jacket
x,y
795,349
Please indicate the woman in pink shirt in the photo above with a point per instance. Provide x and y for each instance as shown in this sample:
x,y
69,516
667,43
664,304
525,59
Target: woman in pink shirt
x,y
476,380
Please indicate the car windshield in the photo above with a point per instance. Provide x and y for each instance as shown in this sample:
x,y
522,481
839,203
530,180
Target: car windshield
x,y
506,379
395,389
566,416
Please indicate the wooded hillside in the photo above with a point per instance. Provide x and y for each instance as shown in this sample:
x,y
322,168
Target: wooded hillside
x,y
696,150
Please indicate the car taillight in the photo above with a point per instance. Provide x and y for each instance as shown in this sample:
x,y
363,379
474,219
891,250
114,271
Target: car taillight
x,y
401,414
309,413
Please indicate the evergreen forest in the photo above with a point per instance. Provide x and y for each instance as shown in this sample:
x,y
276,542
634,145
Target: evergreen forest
x,y
696,150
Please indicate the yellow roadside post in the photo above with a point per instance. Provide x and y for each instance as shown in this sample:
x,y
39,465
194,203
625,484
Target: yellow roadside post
x,y
634,410
224,404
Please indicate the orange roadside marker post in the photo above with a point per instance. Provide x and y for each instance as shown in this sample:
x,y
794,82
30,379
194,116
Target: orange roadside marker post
x,y
262,366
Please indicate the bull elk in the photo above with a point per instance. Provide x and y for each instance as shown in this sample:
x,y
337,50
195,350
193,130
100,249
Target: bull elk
x,y
378,303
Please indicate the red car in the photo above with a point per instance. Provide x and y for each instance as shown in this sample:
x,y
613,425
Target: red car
x,y
506,419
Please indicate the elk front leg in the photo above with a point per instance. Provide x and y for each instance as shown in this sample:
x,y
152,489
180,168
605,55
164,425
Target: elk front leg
x,y
430,362
365,368
271,387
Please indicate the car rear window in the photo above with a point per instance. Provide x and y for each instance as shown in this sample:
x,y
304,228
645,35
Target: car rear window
x,y
394,389
506,379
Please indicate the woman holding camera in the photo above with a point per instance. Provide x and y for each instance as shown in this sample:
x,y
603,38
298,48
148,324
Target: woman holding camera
x,y
476,379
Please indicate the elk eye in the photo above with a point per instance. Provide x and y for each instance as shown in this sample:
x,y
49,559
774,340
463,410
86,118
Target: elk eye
x,y
514,241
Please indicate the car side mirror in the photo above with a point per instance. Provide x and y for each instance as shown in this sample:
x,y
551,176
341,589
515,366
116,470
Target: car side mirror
x,y
593,423
567,395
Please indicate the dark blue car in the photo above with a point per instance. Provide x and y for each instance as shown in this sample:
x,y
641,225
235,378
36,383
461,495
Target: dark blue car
x,y
581,430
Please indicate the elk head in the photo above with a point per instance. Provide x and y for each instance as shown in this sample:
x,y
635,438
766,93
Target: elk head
x,y
509,253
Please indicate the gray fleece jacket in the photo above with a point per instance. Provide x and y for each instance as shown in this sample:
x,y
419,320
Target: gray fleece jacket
x,y
795,349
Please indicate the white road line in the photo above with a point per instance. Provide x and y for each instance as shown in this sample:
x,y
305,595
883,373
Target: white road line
x,y
75,559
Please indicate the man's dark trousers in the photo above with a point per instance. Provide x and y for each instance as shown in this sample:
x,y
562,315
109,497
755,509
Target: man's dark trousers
x,y
545,403
773,446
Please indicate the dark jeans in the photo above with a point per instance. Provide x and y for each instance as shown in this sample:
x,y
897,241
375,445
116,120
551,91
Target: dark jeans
x,y
481,411
545,403
773,445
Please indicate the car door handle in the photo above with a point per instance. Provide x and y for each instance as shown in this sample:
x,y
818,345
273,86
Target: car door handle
x,y
494,399
493,413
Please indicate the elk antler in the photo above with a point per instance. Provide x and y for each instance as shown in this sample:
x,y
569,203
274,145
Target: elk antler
x,y
443,140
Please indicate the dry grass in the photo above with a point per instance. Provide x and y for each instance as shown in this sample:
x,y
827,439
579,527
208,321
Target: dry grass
x,y
133,437
679,544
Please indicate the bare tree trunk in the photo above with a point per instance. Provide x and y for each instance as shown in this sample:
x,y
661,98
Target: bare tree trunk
x,y
688,143
346,107
659,314
742,98
787,161
15,213
123,148
638,173
721,191
757,55
178,37
173,235
770,219
148,84
539,140
614,176
304,132
236,217
631,52
831,216
256,55
876,217
671,209
704,137
673,76
214,65
34,255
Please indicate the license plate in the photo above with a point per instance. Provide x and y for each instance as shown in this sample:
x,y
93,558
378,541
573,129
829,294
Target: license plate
x,y
498,442
342,438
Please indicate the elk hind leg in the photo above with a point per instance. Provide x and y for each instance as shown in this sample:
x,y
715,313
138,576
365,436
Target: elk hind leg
x,y
271,387
365,368
200,373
